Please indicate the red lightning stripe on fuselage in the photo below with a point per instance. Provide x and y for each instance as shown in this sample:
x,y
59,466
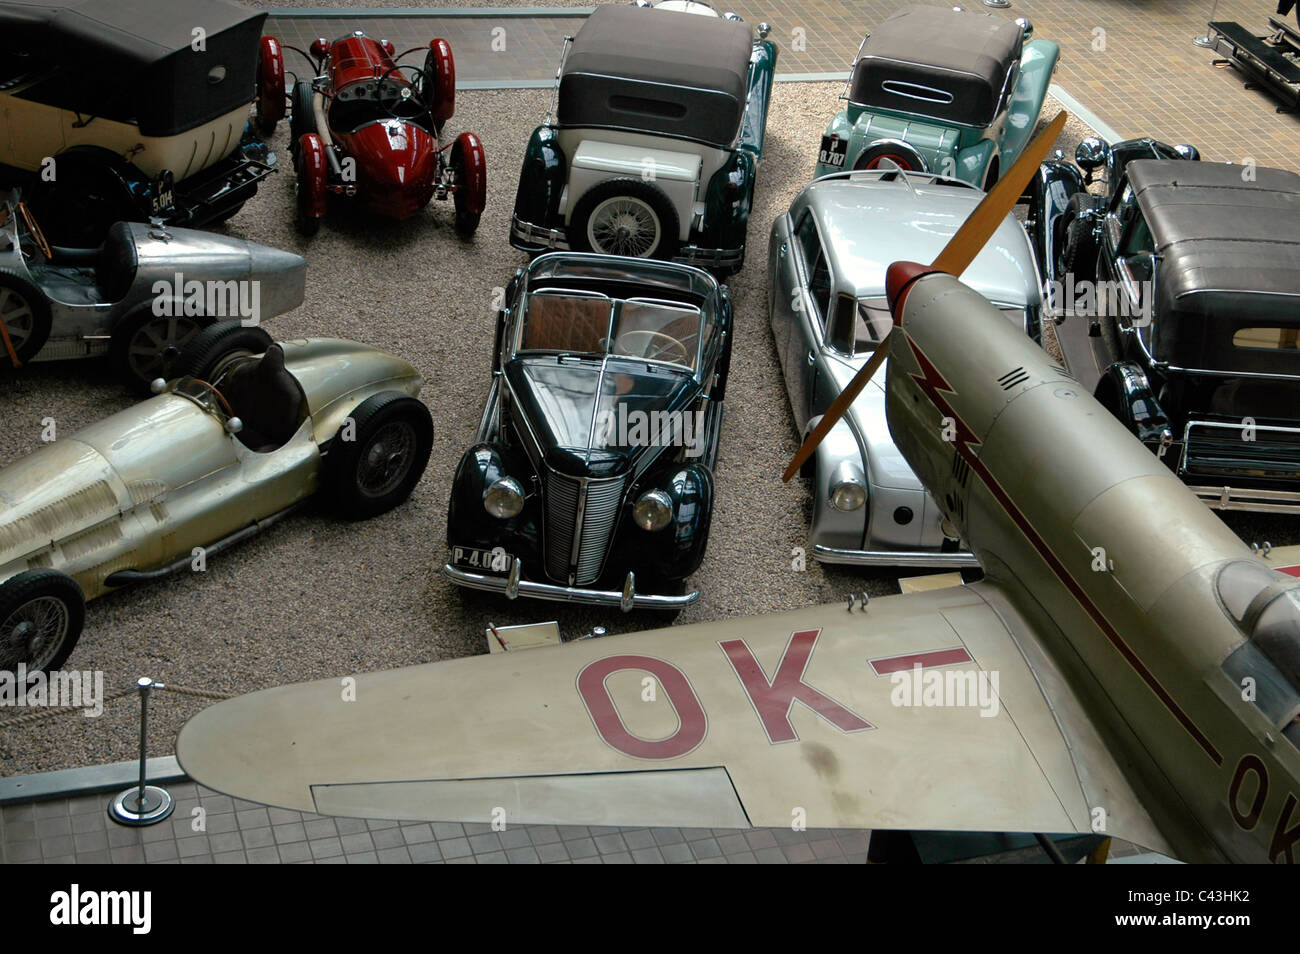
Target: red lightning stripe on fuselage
x,y
932,382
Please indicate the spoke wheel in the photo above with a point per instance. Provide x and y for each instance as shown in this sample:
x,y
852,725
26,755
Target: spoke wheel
x,y
386,459
624,225
26,316
41,615
156,346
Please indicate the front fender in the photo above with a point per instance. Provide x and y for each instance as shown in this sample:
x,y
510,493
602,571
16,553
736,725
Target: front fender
x,y
842,530
1037,63
762,69
728,200
541,180
973,162
1125,391
1049,196
676,551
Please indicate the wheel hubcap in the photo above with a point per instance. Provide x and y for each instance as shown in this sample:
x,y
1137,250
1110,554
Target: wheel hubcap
x,y
386,460
157,345
18,317
624,226
33,633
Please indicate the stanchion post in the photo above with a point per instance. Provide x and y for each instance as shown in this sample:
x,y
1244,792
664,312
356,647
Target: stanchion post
x,y
1207,41
144,804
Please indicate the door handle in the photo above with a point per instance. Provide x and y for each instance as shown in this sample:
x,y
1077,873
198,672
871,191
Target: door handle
x,y
812,358
782,249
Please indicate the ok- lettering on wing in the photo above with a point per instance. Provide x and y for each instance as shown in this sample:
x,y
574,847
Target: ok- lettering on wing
x,y
921,712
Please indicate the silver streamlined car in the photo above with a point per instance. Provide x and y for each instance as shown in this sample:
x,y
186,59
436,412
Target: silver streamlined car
x,y
138,298
218,455
826,303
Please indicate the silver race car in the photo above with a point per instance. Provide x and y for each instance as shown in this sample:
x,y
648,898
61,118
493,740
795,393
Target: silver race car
x,y
138,298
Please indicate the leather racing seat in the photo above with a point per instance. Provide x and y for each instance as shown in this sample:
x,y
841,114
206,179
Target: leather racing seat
x,y
266,396
114,261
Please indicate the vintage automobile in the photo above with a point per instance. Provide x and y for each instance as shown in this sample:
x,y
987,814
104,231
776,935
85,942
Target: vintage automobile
x,y
368,127
131,112
652,143
591,479
1065,218
247,435
138,298
1197,262
827,307
941,90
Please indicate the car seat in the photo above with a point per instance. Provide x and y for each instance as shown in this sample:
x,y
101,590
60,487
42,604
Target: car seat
x,y
265,395
115,261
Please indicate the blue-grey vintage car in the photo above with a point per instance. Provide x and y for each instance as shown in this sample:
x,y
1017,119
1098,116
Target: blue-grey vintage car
x,y
138,298
941,90
652,144
827,306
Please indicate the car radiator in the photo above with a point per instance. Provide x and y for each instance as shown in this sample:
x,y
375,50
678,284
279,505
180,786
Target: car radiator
x,y
582,512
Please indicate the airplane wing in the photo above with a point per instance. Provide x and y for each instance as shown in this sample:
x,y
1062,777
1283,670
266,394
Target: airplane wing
x,y
928,711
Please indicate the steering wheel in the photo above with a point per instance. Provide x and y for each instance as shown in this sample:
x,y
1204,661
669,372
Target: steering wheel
x,y
407,94
661,343
35,231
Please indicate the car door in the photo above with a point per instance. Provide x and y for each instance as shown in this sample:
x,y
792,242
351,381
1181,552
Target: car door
x,y
808,330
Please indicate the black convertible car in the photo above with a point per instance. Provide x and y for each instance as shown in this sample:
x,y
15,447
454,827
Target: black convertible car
x,y
592,477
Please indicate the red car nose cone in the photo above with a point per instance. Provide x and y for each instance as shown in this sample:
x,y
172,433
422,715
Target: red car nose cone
x,y
397,164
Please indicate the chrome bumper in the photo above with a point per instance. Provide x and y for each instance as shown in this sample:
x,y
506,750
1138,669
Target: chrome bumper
x,y
925,558
531,238
514,586
1245,498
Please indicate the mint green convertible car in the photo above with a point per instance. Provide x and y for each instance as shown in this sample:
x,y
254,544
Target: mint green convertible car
x,y
941,90
252,430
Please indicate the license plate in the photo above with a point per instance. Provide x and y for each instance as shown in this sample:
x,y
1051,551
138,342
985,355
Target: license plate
x,y
164,193
495,560
833,152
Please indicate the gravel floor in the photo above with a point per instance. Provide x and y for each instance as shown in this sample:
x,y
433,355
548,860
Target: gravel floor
x,y
314,597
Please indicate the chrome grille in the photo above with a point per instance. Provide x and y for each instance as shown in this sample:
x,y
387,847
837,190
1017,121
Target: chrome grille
x,y
569,503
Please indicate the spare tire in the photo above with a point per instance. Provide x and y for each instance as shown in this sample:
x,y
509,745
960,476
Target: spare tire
x,y
628,217
217,345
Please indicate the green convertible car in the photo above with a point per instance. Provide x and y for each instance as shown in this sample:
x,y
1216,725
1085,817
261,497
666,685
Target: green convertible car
x,y
941,90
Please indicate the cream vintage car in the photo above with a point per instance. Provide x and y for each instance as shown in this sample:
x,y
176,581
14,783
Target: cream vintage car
x,y
248,435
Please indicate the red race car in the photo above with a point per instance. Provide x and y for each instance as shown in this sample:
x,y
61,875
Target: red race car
x,y
370,128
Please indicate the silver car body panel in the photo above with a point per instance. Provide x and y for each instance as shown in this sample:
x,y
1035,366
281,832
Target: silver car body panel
x,y
865,222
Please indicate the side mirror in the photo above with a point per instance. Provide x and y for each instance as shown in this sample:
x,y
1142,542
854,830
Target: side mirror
x,y
1026,27
764,28
234,425
320,48
1091,153
1188,152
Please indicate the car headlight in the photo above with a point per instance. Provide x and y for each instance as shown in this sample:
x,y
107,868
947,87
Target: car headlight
x,y
504,498
848,495
653,510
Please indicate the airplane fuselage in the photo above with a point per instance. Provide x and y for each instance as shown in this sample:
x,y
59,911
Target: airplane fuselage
x,y
1115,562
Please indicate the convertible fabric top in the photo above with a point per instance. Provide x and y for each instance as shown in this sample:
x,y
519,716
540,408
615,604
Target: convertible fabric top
x,y
939,63
134,59
677,74
1229,250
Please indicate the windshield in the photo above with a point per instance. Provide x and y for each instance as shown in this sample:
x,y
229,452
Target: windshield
x,y
589,323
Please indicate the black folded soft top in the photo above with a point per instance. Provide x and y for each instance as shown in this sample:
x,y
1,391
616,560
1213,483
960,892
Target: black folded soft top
x,y
135,59
677,74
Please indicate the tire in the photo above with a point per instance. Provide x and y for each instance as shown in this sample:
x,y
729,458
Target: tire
x,y
303,118
652,231
145,346
1080,246
26,314
217,344
42,613
377,470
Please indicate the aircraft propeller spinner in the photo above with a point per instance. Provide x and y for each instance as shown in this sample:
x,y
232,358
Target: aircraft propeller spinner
x,y
956,255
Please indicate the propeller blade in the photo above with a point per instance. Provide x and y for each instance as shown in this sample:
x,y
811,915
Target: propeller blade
x,y
955,257
1001,199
